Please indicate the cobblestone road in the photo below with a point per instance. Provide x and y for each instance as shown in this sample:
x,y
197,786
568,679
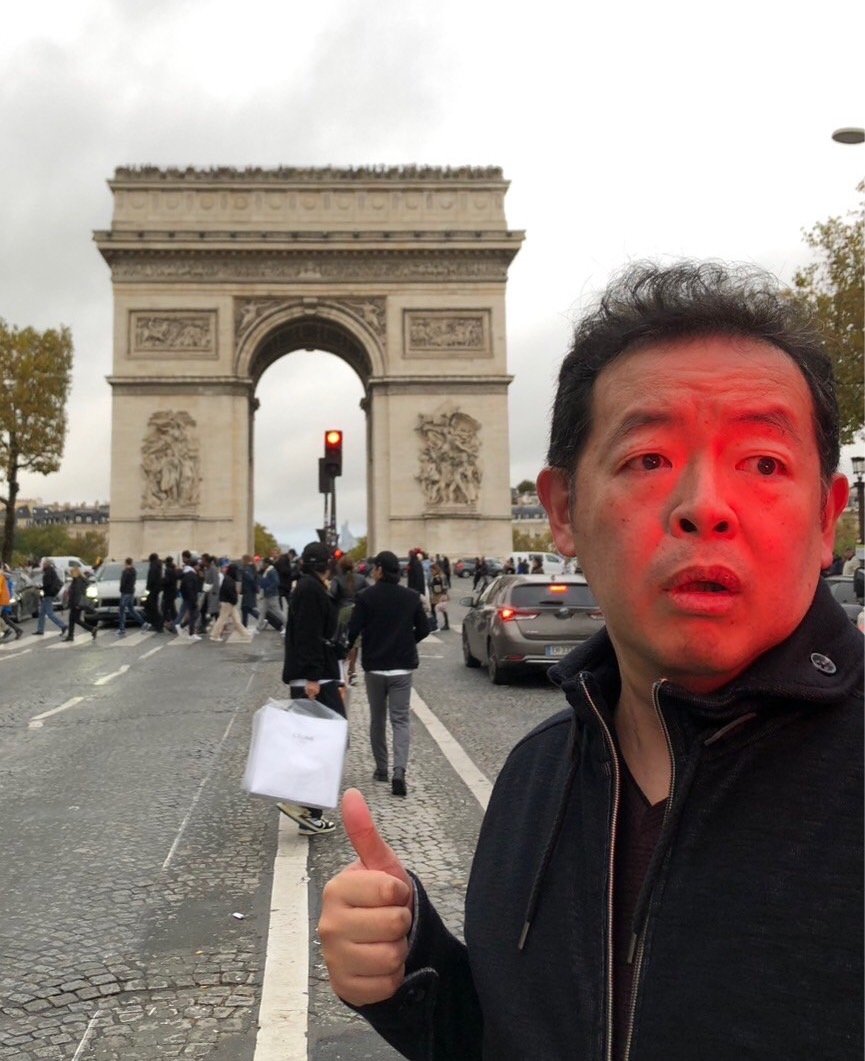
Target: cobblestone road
x,y
128,845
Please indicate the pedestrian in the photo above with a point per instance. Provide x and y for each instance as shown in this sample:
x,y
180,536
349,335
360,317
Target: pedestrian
x,y
7,587
190,587
390,619
153,588
77,602
344,588
52,585
311,667
270,611
481,573
212,578
414,573
248,589
537,566
228,608
169,595
672,867
851,562
127,599
439,599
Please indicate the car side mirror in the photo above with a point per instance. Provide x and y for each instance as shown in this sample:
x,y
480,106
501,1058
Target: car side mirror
x,y
467,602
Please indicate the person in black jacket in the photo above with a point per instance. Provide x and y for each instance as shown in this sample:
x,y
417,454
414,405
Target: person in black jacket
x,y
153,586
311,668
77,600
391,620
228,608
169,595
51,586
127,599
672,867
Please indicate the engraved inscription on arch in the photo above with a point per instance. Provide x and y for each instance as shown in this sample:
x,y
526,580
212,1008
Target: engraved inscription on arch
x,y
447,333
172,333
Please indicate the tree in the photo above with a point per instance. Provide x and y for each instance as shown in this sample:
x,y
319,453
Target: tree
x,y
525,487
35,374
833,289
265,543
359,551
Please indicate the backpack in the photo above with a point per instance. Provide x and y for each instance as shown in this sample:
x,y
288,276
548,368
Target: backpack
x,y
5,595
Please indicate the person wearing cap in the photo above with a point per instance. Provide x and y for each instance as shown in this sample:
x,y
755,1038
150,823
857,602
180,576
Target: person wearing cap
x,y
392,620
311,669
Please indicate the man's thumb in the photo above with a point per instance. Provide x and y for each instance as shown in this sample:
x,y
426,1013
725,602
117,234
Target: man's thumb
x,y
372,851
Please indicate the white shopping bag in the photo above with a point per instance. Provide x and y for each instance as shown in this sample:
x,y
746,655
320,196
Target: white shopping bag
x,y
296,753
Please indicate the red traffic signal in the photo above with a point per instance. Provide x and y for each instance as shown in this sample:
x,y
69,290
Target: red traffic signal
x,y
338,554
333,452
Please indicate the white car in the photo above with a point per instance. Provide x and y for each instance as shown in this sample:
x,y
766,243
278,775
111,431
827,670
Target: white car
x,y
552,563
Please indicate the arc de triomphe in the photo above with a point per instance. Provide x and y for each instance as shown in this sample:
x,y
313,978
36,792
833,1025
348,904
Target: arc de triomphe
x,y
217,273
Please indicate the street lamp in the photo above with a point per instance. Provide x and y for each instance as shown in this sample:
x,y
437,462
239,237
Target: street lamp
x,y
859,473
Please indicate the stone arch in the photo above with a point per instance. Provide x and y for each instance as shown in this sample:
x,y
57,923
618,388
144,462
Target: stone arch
x,y
216,274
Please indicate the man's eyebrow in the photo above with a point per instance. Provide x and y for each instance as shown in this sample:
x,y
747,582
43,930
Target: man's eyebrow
x,y
777,418
636,421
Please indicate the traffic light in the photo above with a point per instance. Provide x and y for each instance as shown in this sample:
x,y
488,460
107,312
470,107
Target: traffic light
x,y
338,554
333,452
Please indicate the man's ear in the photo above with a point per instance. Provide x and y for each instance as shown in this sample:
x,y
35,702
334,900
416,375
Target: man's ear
x,y
836,502
555,496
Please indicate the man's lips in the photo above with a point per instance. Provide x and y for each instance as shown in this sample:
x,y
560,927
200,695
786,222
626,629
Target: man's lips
x,y
700,579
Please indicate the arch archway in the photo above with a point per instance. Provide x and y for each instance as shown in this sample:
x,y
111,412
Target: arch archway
x,y
217,274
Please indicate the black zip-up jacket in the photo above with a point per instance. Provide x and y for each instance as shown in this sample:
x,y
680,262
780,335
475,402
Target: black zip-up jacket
x,y
311,624
748,933
51,584
392,620
127,580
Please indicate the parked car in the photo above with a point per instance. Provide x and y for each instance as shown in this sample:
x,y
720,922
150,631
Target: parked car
x,y
103,593
26,595
465,566
519,622
844,590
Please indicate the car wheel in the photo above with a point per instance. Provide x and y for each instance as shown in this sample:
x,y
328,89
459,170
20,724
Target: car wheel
x,y
467,656
497,673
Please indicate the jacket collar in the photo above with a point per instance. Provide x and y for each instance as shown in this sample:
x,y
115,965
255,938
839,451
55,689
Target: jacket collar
x,y
820,663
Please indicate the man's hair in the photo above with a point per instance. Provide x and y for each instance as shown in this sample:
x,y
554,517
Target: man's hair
x,y
648,303
186,555
129,561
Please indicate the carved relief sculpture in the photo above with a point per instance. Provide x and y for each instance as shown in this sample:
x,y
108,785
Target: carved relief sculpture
x,y
155,333
450,473
171,463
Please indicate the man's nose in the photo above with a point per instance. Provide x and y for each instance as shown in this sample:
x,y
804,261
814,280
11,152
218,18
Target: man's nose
x,y
702,505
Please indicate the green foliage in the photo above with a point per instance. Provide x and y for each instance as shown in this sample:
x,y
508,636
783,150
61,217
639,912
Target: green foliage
x,y
35,375
846,533
265,543
526,541
359,552
35,542
833,289
525,487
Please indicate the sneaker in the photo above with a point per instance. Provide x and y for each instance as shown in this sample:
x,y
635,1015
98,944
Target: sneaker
x,y
19,633
194,637
38,633
380,775
146,626
397,784
121,633
63,631
93,632
312,826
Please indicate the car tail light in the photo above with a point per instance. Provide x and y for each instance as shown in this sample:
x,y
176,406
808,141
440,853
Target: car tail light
x,y
507,614
557,587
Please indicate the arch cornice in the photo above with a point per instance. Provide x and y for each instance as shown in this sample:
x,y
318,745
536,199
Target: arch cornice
x,y
285,315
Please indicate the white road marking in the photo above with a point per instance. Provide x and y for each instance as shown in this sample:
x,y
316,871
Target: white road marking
x,y
87,1034
475,780
36,721
153,651
197,795
283,1013
428,655
15,655
115,674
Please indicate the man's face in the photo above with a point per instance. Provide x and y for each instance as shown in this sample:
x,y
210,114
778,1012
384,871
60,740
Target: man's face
x,y
698,517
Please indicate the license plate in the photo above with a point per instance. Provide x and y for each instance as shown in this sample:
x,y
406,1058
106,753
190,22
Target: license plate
x,y
558,650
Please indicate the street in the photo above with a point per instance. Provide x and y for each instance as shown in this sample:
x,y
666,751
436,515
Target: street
x,y
140,913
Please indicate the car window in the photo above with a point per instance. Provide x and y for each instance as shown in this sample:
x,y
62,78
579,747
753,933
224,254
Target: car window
x,y
109,571
553,594
489,591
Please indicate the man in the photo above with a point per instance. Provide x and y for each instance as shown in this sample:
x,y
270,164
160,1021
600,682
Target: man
x,y
311,668
8,626
190,587
851,562
248,589
127,599
390,619
672,868
154,588
51,586
286,568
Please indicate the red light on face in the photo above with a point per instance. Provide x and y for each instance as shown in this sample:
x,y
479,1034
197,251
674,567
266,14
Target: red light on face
x,y
558,587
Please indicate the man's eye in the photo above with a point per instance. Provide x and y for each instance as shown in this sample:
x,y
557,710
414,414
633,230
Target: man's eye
x,y
765,466
650,462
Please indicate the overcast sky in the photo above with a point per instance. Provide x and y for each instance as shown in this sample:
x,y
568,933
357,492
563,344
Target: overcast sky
x,y
627,130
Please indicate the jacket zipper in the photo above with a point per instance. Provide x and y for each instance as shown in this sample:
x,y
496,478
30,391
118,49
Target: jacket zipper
x,y
639,938
608,1046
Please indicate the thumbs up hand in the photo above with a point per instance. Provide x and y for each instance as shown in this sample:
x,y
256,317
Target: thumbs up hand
x,y
366,914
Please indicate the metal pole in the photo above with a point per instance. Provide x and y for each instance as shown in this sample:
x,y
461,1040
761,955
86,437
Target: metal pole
x,y
860,501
